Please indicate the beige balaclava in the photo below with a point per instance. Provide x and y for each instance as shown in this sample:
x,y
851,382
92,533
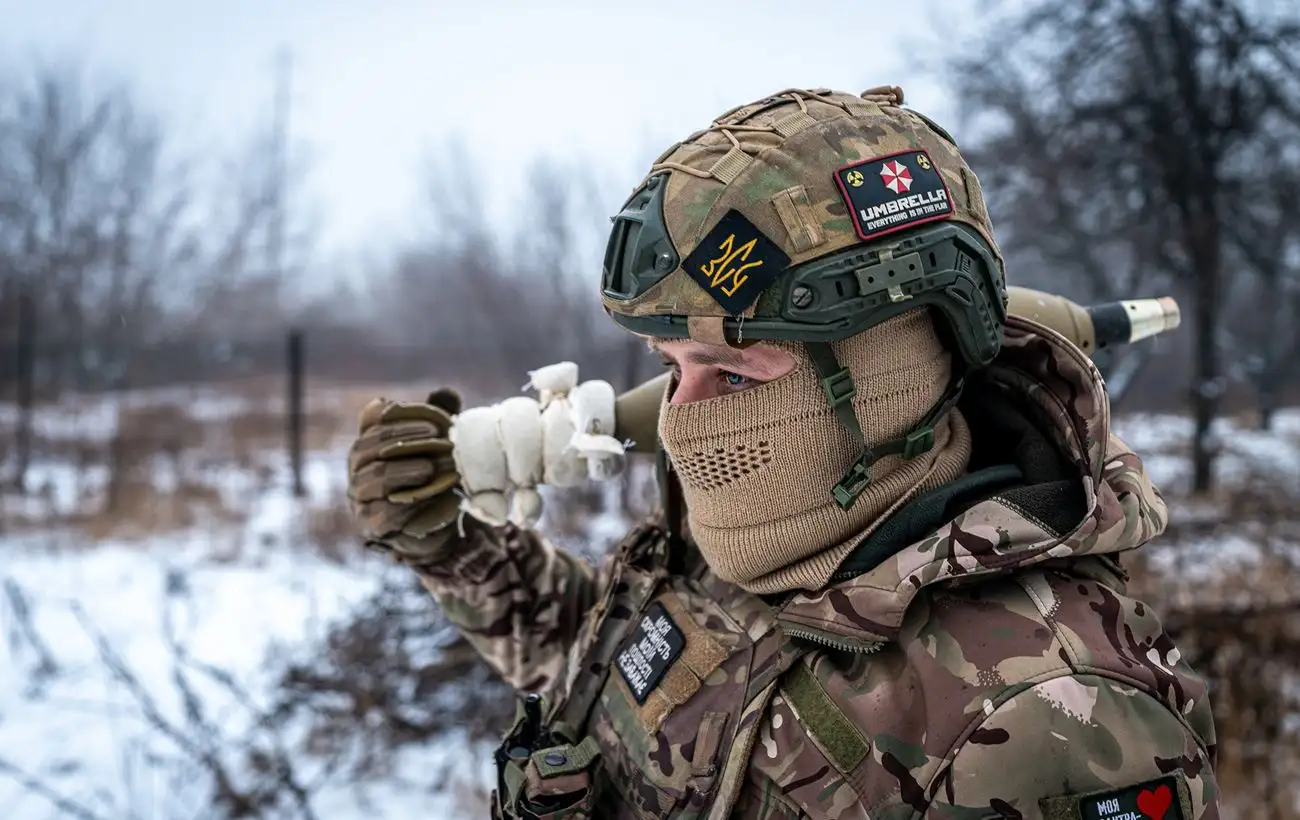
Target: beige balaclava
x,y
756,467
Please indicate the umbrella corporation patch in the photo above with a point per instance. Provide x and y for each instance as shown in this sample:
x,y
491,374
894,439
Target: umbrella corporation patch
x,y
1159,799
893,192
735,262
654,646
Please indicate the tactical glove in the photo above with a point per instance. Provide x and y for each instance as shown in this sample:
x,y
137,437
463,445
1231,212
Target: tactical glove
x,y
402,476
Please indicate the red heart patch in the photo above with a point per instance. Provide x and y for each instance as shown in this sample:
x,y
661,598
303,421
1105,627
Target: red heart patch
x,y
1155,802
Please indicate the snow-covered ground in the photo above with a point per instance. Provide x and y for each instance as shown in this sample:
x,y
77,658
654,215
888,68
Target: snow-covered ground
x,y
235,595
81,731
1248,456
1164,442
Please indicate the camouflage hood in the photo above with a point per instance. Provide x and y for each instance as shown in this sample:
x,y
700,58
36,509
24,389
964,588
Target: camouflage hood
x,y
1121,509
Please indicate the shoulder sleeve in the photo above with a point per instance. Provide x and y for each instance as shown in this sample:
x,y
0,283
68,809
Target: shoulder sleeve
x,y
516,598
1081,747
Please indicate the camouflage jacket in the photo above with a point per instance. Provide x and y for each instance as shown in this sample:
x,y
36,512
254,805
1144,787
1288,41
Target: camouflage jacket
x,y
976,657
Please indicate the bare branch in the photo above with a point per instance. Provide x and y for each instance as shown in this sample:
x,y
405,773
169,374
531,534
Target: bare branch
x,y
39,787
1116,153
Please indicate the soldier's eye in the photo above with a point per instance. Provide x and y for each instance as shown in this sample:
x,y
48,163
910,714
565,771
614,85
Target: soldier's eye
x,y
735,381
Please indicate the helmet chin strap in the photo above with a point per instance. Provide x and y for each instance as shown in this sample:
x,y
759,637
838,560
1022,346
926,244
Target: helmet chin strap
x,y
838,384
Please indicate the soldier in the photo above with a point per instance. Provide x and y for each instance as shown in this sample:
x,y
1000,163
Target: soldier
x,y
887,581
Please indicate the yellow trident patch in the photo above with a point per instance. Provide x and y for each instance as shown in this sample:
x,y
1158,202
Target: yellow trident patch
x,y
725,269
735,262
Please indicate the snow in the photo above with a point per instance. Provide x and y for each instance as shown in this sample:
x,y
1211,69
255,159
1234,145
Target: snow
x,y
229,616
1164,443
95,417
242,594
234,596
82,732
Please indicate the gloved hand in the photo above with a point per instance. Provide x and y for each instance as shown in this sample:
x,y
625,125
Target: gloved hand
x,y
402,476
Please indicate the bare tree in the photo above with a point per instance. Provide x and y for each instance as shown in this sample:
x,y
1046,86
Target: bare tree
x,y
256,239
491,292
52,215
560,252
120,261
1061,227
1265,236
1133,115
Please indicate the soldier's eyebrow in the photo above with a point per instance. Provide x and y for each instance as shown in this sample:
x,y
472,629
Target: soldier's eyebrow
x,y
716,357
712,356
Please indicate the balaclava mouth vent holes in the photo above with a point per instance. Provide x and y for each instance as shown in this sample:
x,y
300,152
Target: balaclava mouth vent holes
x,y
721,466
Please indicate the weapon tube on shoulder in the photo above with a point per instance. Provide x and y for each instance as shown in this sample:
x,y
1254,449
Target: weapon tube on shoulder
x,y
1092,328
1098,326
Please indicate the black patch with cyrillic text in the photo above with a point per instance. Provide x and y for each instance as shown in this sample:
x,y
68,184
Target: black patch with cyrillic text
x,y
893,192
1153,800
735,262
654,646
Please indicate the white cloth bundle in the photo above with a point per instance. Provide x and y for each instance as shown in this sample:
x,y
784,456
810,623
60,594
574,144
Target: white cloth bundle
x,y
563,438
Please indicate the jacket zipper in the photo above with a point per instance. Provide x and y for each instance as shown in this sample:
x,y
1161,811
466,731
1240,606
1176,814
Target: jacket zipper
x,y
847,575
844,645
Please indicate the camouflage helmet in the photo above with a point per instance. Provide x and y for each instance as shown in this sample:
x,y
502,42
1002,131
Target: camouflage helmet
x,y
808,215
812,215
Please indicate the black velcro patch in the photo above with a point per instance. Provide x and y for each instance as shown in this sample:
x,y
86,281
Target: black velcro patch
x,y
893,192
654,646
1159,799
735,262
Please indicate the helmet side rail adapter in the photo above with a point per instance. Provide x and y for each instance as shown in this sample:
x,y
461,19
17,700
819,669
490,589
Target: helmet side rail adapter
x,y
944,266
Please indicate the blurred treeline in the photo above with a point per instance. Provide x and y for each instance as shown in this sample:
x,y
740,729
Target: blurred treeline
x,y
1128,148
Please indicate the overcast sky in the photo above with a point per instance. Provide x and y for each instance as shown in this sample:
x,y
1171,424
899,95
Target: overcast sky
x,y
379,85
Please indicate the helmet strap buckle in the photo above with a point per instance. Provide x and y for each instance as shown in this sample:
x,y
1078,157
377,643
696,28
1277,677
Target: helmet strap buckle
x,y
919,440
854,482
839,388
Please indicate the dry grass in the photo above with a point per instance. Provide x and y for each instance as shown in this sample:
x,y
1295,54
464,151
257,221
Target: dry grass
x,y
246,436
142,510
157,470
330,416
153,429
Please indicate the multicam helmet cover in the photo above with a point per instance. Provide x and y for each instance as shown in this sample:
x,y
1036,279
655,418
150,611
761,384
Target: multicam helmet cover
x,y
808,215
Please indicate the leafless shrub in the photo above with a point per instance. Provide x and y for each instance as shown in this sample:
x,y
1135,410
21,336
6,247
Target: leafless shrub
x,y
396,675
238,774
332,531
22,632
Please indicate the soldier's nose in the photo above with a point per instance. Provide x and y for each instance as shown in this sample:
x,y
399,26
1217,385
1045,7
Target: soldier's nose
x,y
692,386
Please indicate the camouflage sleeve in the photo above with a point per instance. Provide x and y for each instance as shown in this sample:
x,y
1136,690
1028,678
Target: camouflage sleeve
x,y
1079,747
516,598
